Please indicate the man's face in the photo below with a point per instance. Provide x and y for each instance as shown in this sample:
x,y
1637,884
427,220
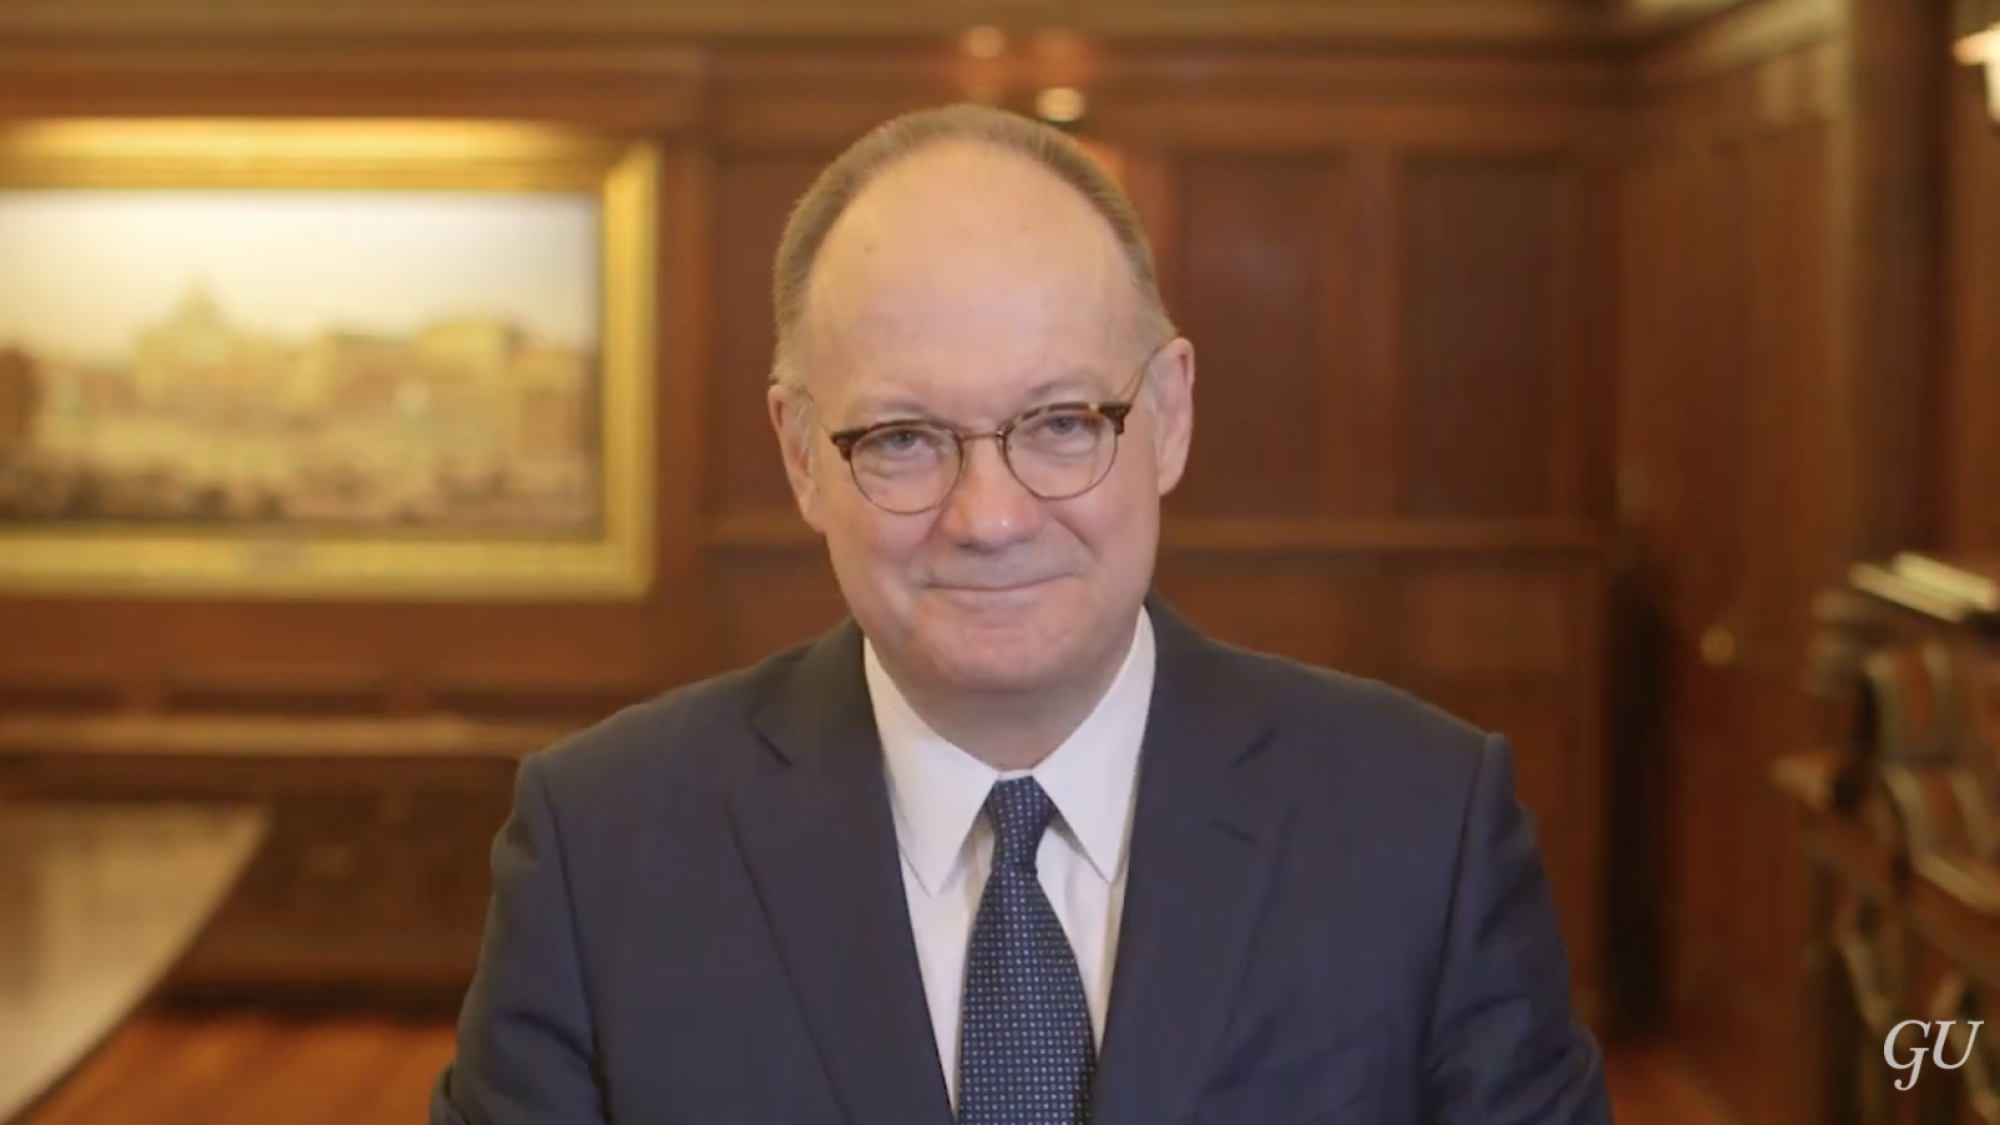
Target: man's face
x,y
967,287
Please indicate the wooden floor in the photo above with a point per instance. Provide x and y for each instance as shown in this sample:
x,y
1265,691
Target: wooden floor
x,y
234,1068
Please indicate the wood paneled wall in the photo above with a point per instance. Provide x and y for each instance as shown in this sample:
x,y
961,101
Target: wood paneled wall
x,y
1969,416
1396,264
1772,426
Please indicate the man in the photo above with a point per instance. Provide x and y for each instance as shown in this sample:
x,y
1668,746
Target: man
x,y
1016,844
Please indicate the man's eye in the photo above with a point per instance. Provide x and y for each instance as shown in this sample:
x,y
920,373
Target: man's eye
x,y
900,440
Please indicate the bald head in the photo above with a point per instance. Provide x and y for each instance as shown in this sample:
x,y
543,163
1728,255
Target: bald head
x,y
959,173
958,249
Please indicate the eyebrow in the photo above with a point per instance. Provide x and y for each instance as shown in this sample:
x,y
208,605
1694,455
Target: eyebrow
x,y
1079,385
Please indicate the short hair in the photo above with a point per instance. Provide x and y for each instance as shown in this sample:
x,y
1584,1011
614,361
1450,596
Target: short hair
x,y
898,139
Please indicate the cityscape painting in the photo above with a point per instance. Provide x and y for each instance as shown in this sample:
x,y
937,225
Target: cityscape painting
x,y
418,360
326,359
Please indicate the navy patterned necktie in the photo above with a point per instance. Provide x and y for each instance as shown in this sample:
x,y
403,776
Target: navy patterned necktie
x,y
1026,1056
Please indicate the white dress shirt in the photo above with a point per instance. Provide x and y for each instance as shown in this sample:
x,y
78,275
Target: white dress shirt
x,y
938,792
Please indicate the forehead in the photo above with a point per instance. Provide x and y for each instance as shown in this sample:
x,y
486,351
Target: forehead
x,y
971,280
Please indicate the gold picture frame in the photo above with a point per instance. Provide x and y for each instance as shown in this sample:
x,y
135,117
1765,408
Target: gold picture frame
x,y
463,525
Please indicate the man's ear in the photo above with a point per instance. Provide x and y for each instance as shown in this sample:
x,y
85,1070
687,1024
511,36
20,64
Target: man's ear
x,y
1171,386
792,421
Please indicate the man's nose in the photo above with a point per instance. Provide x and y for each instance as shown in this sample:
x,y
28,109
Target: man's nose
x,y
990,507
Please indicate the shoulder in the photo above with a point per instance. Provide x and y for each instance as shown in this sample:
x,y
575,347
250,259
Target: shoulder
x,y
1365,732
697,735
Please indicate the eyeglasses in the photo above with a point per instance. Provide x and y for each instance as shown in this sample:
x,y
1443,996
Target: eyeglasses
x,y
1057,452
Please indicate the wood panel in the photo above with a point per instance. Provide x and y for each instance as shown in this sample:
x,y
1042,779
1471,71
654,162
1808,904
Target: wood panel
x,y
1501,621
1485,280
283,689
1251,296
1890,194
1444,23
612,85
1970,397
1790,395
762,601
56,686
754,194
1373,404
1302,607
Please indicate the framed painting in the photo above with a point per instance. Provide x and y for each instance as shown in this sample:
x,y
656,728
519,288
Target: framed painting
x,y
325,359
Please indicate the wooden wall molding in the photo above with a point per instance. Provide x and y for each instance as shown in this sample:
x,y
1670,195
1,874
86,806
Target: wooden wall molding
x,y
242,736
1111,67
657,89
1969,412
1743,35
505,693
58,686
1287,124
1249,99
1802,88
1643,19
1450,23
1888,191
268,687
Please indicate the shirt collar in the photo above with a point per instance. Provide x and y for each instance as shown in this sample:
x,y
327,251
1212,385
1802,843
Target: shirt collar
x,y
937,789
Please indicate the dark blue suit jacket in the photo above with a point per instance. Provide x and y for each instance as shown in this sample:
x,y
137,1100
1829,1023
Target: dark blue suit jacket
x,y
1336,912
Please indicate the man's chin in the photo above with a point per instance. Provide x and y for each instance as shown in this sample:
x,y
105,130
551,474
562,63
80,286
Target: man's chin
x,y
1002,682
989,665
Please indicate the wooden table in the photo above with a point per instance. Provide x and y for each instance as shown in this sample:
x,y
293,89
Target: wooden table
x,y
97,904
375,876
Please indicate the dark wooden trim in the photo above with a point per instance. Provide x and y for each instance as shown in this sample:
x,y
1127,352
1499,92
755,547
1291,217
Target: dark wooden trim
x,y
616,86
684,366
1510,23
266,686
1382,309
1640,21
1743,36
240,737
1131,69
60,694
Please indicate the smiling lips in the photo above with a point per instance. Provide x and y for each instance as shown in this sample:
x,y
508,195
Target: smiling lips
x,y
1013,588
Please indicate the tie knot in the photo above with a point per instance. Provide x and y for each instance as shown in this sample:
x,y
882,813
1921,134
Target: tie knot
x,y
1019,812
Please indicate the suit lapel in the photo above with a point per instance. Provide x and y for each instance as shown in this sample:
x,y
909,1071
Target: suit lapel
x,y
820,840
821,843
1204,838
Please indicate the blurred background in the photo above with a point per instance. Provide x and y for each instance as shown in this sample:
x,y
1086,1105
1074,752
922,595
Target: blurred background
x,y
1620,374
